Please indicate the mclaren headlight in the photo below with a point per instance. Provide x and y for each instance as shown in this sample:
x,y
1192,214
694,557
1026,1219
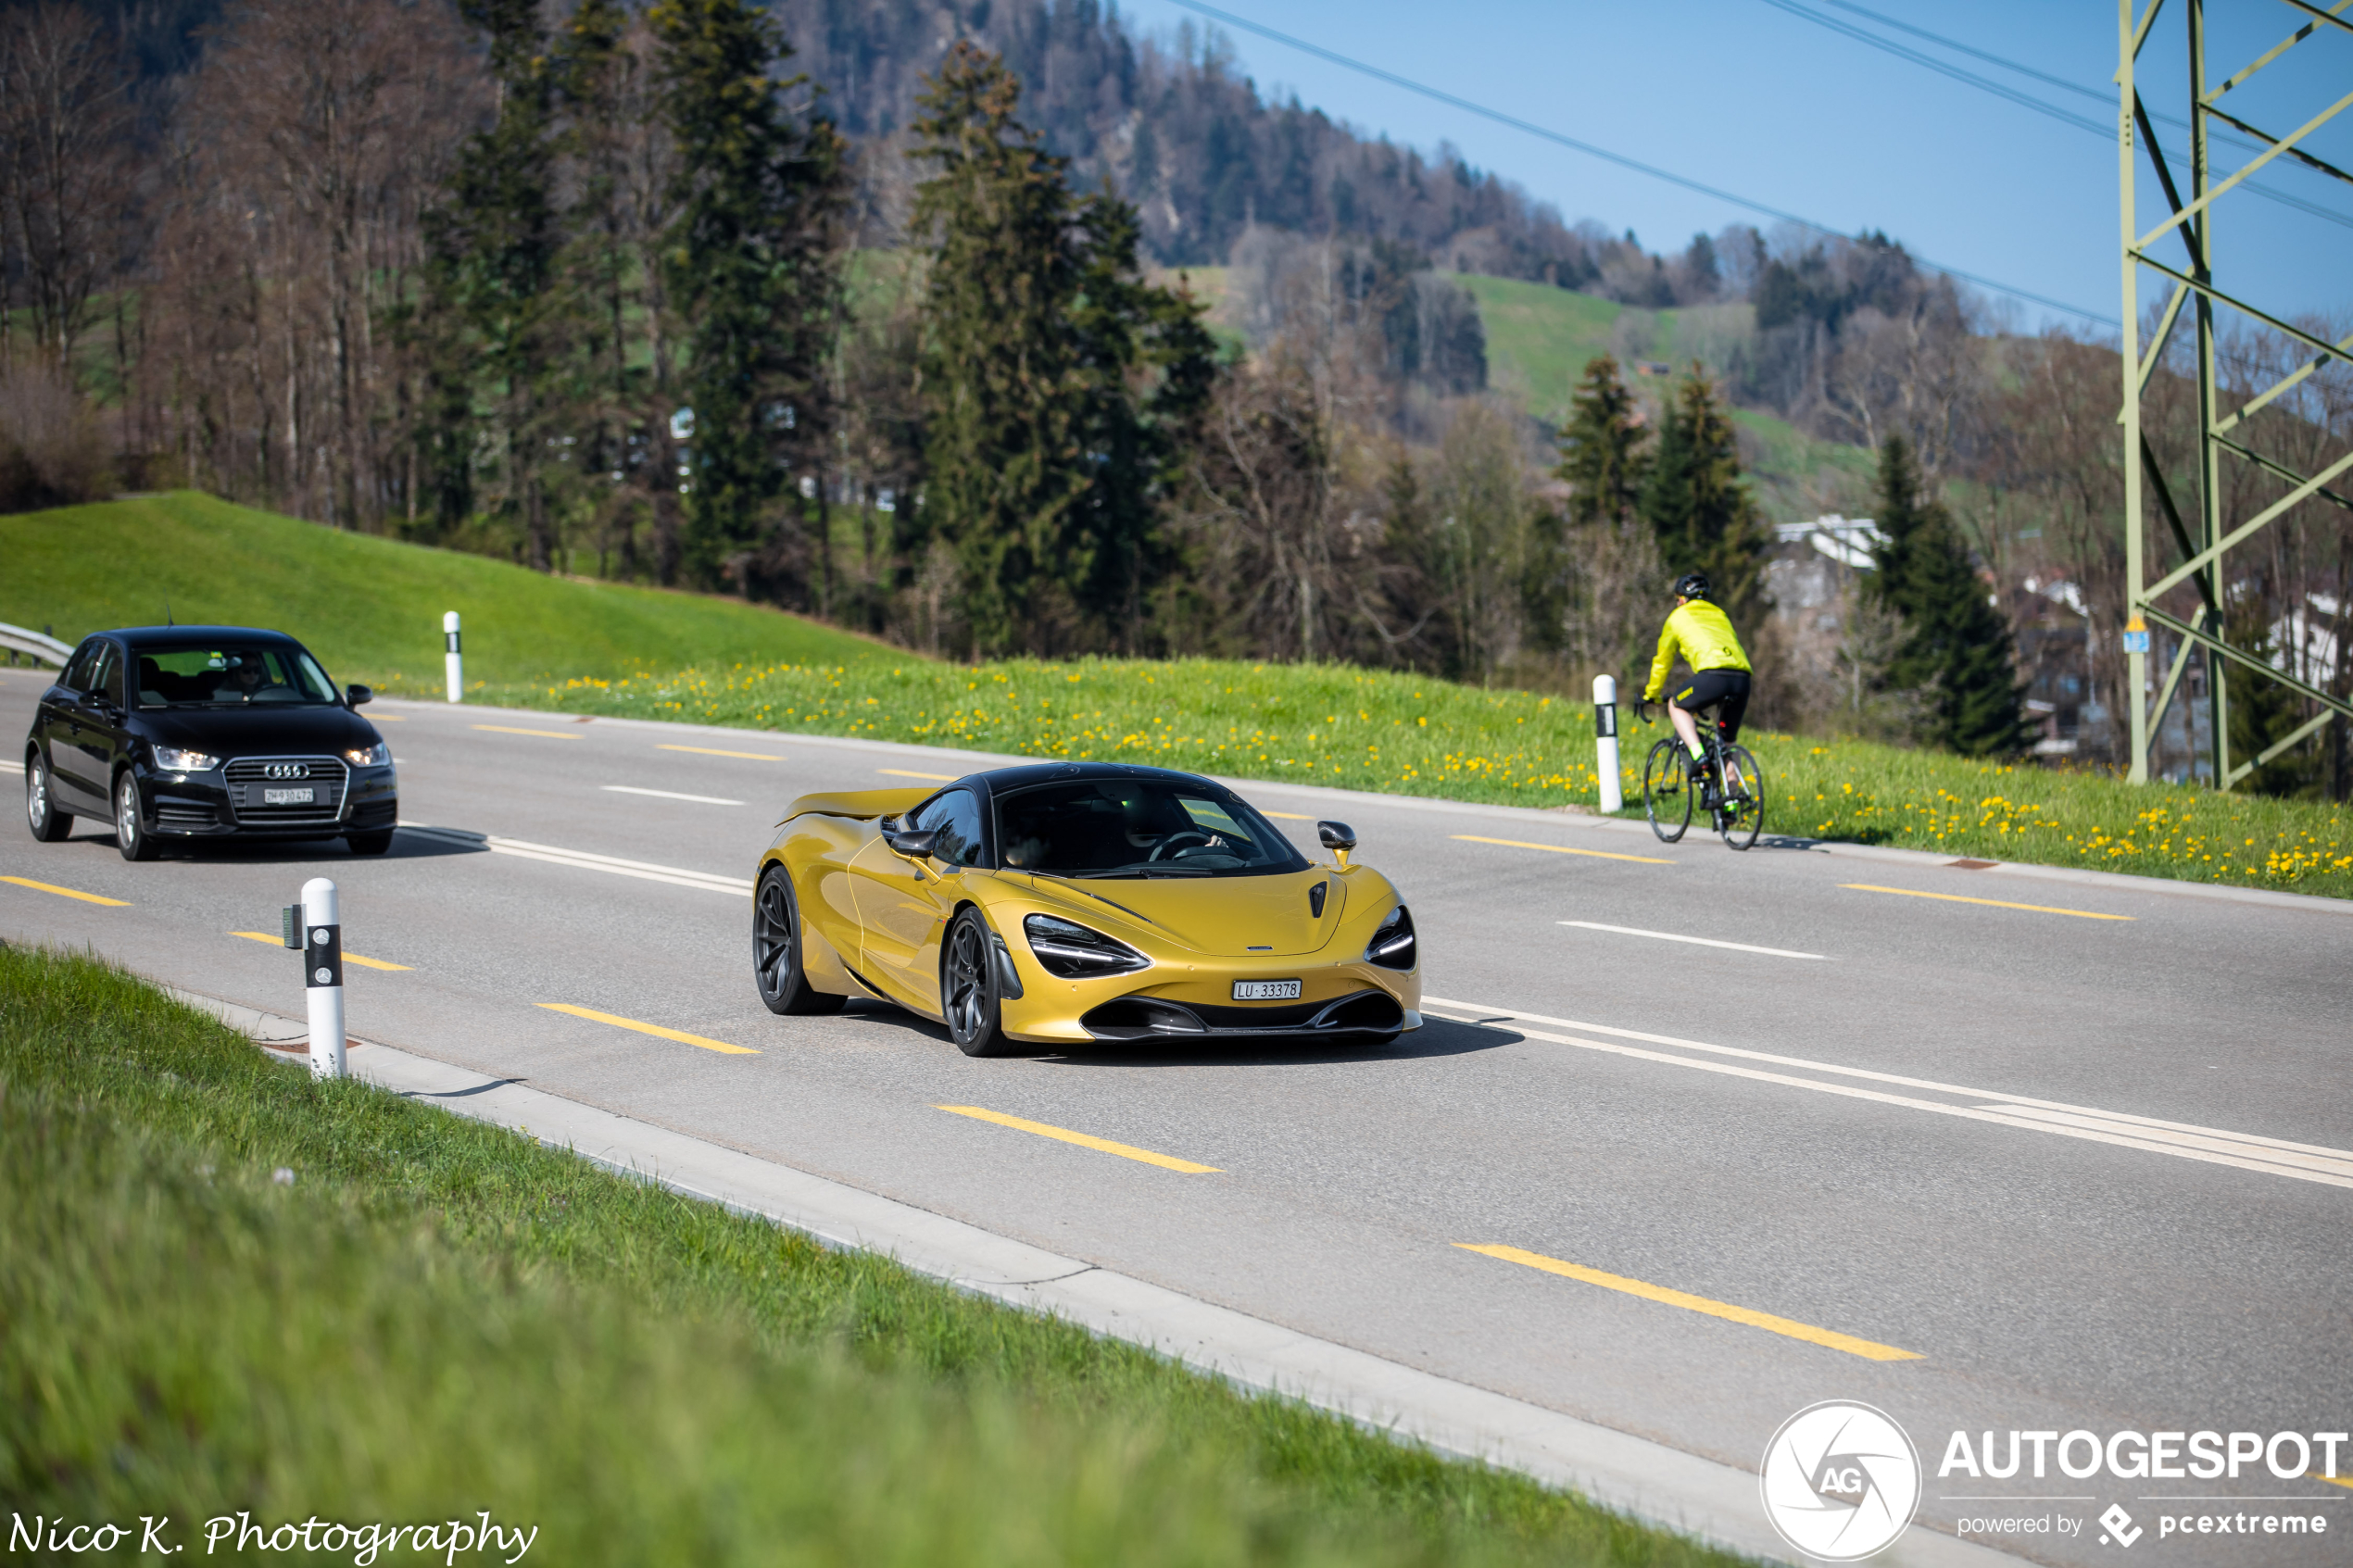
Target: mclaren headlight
x,y
376,756
1392,944
171,759
1070,950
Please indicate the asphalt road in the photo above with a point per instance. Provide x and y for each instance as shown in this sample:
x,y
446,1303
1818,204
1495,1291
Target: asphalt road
x,y
2091,1173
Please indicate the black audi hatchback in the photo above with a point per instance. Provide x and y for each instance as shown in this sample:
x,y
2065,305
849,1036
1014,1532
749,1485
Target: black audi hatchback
x,y
198,732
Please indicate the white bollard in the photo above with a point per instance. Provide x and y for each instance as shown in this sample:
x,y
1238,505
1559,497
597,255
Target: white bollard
x,y
1605,741
322,977
452,662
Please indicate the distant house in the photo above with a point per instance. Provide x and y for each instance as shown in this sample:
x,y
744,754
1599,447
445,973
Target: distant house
x,y
1652,368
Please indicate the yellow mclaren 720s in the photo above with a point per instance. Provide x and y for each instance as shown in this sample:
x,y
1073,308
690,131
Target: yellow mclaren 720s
x,y
1072,903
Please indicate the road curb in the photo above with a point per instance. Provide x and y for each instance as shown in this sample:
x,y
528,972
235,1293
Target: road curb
x,y
1645,1480
1550,816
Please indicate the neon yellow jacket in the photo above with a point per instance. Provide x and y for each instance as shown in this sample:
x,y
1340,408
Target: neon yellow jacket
x,y
1703,635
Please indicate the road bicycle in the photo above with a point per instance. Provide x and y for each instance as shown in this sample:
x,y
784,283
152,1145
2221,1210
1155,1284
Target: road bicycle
x,y
1673,784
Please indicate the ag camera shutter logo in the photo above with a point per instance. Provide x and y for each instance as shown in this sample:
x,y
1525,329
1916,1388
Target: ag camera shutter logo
x,y
1840,1481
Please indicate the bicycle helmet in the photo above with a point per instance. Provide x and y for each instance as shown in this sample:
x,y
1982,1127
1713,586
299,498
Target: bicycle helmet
x,y
1692,585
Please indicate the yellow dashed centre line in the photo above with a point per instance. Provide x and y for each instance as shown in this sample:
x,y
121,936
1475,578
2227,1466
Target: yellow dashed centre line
x,y
347,958
654,1029
1996,903
1829,1339
1288,816
1562,849
68,892
2344,1481
903,774
1084,1140
714,751
543,735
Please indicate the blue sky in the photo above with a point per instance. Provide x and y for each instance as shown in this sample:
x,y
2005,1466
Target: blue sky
x,y
1745,95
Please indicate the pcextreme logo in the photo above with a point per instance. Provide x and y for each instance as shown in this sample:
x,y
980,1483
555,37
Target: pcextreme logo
x,y
1840,1480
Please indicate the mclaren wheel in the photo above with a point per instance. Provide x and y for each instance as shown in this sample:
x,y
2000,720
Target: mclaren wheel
x,y
1667,790
49,825
776,951
968,989
130,831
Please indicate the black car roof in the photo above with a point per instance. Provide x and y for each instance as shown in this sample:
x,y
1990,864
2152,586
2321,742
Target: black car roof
x,y
148,636
1001,781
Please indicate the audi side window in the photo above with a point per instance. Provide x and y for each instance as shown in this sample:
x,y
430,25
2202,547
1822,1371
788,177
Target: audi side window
x,y
956,816
77,672
111,674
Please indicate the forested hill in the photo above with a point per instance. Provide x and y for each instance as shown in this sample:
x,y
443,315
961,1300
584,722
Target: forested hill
x,y
1182,133
1173,122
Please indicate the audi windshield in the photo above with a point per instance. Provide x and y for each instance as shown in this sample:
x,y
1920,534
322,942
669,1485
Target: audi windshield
x,y
1138,828
207,675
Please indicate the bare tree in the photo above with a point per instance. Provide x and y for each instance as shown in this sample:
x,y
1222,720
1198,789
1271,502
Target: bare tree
x,y
64,117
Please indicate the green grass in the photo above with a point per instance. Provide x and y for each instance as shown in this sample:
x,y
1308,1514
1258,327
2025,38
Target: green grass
x,y
1539,338
437,1318
369,608
1406,735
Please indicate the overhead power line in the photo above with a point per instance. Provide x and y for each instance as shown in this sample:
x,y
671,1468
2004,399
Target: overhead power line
x,y
1590,150
2105,132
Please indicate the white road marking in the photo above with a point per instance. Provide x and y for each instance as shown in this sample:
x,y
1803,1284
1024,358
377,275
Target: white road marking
x,y
670,795
581,859
2245,1151
1695,941
11,767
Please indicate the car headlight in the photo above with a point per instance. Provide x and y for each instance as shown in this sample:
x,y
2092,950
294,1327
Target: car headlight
x,y
376,756
1070,950
171,759
1392,944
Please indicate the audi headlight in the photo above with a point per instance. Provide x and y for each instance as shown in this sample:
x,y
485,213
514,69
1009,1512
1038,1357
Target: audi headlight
x,y
1392,944
171,759
1068,949
376,756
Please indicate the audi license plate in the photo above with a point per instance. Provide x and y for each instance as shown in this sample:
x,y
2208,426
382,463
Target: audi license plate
x,y
1266,990
292,797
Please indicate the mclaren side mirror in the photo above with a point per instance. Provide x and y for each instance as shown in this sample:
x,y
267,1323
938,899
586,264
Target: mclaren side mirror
x,y
915,843
357,695
1338,838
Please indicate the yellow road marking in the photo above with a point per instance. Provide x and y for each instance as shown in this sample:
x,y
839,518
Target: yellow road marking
x,y
1807,1332
347,958
67,892
2346,1481
903,774
1084,1140
713,751
1288,816
543,734
1562,849
618,1022
386,719
1997,903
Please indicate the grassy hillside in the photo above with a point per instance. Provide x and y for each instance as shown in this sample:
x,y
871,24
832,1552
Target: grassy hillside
x,y
1408,734
425,1319
369,608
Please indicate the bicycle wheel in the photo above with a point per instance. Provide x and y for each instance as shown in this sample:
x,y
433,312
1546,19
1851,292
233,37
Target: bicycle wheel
x,y
1667,790
1742,816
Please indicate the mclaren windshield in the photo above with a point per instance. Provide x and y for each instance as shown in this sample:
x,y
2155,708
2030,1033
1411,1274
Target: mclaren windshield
x,y
1138,828
208,675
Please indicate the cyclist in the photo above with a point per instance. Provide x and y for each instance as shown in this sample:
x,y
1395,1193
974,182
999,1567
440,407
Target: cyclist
x,y
1703,635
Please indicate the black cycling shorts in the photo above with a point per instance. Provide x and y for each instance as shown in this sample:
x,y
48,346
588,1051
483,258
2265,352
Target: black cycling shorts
x,y
1729,687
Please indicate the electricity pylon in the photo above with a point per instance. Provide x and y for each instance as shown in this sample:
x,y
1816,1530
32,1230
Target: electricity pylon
x,y
2191,227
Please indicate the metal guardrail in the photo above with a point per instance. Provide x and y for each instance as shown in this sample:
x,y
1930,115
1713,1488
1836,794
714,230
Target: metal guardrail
x,y
17,639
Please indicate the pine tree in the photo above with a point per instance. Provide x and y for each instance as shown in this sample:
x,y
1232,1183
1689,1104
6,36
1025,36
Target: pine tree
x,y
495,307
1957,649
1058,387
1602,457
1699,505
753,266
